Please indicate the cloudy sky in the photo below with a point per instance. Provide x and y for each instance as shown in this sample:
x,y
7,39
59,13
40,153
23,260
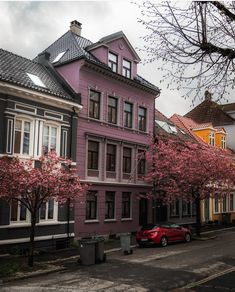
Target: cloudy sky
x,y
28,27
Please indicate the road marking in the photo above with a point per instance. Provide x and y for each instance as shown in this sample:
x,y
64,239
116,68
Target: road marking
x,y
194,284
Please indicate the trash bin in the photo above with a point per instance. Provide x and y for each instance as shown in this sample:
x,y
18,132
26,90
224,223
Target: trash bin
x,y
100,256
125,239
87,251
226,218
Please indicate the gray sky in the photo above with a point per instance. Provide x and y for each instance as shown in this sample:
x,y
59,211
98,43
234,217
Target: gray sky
x,y
27,28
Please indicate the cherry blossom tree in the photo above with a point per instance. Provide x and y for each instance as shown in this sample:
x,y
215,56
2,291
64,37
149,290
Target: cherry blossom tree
x,y
188,171
34,185
195,40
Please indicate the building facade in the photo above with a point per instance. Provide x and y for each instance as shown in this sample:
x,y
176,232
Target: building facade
x,y
37,114
115,126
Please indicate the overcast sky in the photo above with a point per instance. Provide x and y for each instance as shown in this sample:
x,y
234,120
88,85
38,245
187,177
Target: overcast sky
x,y
27,28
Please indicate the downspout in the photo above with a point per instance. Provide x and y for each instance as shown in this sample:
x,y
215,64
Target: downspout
x,y
68,201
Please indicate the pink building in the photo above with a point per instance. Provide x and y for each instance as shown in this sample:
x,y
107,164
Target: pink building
x,y
114,129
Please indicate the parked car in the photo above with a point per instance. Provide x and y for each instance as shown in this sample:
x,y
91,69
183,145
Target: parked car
x,y
162,234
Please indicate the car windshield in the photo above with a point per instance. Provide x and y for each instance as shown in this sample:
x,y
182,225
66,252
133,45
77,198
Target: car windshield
x,y
149,226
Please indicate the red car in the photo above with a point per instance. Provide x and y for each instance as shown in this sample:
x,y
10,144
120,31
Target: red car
x,y
162,234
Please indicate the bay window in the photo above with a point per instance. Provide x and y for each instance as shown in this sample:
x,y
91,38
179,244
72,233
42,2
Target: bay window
x,y
22,136
50,138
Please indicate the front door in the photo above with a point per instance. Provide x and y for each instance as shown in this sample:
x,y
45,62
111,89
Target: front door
x,y
143,211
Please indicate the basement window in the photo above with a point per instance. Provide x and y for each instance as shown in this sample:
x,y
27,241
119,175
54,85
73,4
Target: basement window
x,y
59,56
36,80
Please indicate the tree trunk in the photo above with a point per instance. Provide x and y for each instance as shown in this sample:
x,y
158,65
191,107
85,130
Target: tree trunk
x,y
198,215
32,235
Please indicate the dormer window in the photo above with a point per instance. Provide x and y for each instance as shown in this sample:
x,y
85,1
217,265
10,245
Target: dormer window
x,y
212,139
223,142
126,68
36,80
113,62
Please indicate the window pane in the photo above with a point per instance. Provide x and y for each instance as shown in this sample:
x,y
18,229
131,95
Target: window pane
x,y
17,142
91,205
23,212
14,210
109,205
18,125
26,143
231,202
93,155
126,204
51,209
43,211
26,126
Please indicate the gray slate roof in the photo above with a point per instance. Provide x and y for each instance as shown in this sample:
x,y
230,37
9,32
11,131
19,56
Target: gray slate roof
x,y
75,48
13,69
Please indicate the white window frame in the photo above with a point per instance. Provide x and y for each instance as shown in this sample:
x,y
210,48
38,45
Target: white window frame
x,y
55,213
223,142
24,119
216,198
212,138
18,221
233,206
54,125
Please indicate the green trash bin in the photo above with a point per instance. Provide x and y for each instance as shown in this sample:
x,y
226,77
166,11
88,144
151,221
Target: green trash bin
x,y
100,256
125,239
87,251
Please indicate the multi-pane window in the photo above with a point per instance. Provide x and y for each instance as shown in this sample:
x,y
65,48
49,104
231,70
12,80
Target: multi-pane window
x,y
223,142
142,118
174,209
128,113
109,205
111,157
47,210
141,162
231,202
216,203
49,138
126,205
94,107
112,110
22,137
212,139
126,160
18,211
126,68
113,62
93,155
91,205
186,208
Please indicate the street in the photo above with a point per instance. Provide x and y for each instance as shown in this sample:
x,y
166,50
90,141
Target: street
x,y
148,269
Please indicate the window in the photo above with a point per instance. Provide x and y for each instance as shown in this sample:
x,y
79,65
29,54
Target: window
x,y
212,139
94,110
111,157
18,212
223,142
50,138
126,205
186,208
216,202
128,109
174,209
36,80
93,155
91,205
142,119
141,162
113,62
47,210
109,205
58,57
126,68
224,203
126,160
22,137
112,110
231,202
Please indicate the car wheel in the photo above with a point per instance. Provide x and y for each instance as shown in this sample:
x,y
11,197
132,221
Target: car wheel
x,y
164,241
187,237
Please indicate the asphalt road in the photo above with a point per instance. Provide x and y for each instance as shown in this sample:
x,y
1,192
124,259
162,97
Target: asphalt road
x,y
198,266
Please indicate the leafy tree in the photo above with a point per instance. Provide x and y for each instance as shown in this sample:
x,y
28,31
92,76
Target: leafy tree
x,y
188,171
54,178
196,42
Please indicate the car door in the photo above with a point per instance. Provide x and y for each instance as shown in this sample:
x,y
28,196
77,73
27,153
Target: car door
x,y
176,232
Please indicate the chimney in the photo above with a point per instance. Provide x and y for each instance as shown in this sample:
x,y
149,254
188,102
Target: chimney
x,y
208,95
43,58
76,27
